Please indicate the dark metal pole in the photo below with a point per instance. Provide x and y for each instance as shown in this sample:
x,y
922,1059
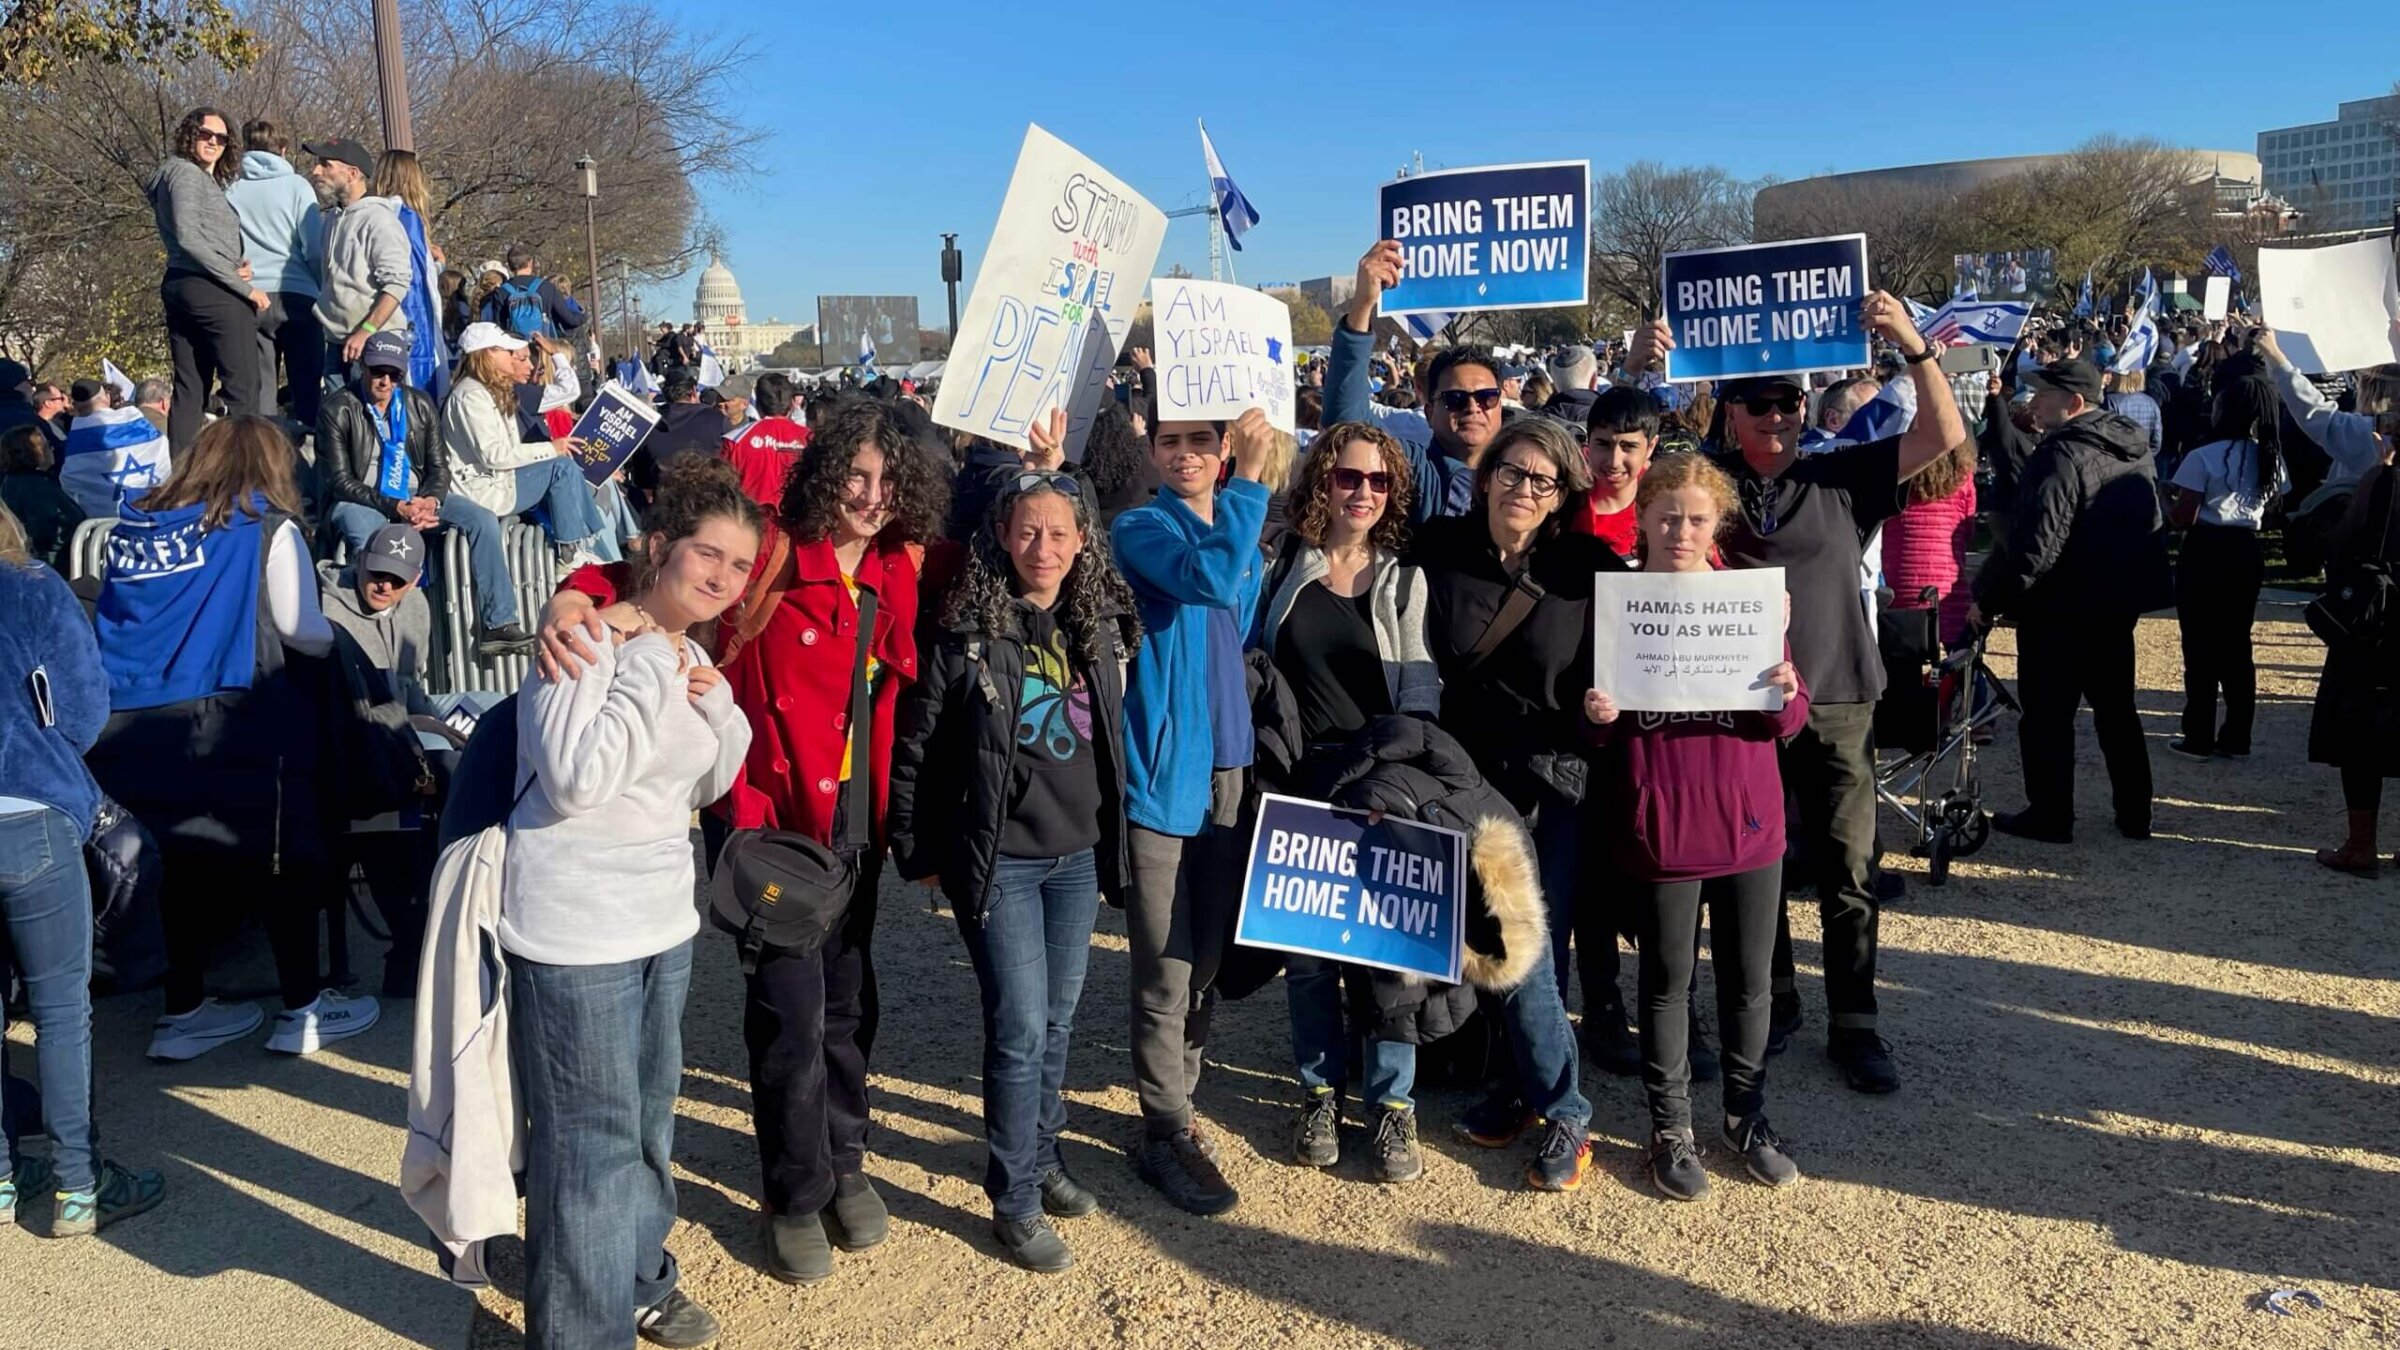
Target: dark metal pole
x,y
590,168
633,328
952,269
391,77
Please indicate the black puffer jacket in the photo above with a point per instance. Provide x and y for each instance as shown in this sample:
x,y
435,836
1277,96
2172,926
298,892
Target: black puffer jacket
x,y
350,453
1409,768
2089,539
954,750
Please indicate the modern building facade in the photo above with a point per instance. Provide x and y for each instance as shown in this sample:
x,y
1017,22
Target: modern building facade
x,y
2343,174
2231,175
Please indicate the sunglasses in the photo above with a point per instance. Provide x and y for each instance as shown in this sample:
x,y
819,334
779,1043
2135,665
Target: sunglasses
x,y
1456,400
1351,480
1758,405
210,138
1064,484
1508,478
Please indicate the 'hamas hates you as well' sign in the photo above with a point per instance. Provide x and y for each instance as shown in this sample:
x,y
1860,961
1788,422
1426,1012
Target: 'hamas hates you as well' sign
x,y
1323,882
1785,308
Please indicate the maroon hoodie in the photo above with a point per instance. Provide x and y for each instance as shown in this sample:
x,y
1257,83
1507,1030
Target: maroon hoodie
x,y
1687,796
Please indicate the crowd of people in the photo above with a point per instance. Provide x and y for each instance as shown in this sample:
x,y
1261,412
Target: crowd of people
x,y
806,636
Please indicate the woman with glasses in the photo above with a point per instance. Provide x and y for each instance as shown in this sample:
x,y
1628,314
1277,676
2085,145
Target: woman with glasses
x,y
1509,622
1344,622
212,309
1008,786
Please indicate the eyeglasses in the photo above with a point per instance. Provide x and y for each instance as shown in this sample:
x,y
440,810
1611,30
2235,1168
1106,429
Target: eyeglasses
x,y
1759,405
1351,480
1456,400
1064,484
1508,478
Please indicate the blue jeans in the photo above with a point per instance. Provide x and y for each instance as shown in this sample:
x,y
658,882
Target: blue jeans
x,y
1583,894
558,486
48,903
1312,986
487,564
619,522
1029,952
599,1059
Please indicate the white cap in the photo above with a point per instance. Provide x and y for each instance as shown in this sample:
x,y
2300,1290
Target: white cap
x,y
479,336
491,265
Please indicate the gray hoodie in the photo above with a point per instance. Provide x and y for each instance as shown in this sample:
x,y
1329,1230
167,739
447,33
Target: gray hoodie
x,y
280,225
197,225
396,642
365,255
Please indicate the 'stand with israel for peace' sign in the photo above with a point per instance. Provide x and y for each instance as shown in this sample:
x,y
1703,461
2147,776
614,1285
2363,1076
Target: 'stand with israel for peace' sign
x,y
1324,882
1511,236
1785,308
1688,641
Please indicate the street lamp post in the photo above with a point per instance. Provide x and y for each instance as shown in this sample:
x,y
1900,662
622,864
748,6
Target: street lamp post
x,y
633,327
952,270
590,169
391,77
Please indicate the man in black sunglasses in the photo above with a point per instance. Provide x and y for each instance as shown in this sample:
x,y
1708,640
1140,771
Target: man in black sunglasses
x,y
1809,516
1462,411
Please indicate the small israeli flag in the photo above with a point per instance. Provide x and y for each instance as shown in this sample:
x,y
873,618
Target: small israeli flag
x,y
1233,208
116,379
2083,299
866,356
712,371
2141,344
2220,263
638,380
1968,322
1425,327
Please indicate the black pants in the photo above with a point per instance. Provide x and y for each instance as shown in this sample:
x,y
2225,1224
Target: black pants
x,y
206,889
1743,914
1830,767
2362,787
289,329
2216,595
810,1023
212,337
398,866
2060,664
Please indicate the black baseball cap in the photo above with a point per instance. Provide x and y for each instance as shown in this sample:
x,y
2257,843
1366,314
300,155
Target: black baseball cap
x,y
1759,384
2072,376
385,350
343,151
396,550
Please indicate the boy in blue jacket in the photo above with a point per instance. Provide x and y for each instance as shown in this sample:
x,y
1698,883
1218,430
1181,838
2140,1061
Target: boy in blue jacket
x,y
1191,556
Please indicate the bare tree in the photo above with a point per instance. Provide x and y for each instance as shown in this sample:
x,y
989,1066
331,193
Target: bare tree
x,y
1911,228
40,37
1646,211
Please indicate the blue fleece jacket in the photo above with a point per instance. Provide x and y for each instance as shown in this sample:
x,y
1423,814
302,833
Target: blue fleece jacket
x,y
41,758
280,224
1179,569
1445,486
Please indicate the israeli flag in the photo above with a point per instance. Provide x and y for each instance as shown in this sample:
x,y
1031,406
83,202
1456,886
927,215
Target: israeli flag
x,y
1920,315
1233,208
1889,413
116,379
2141,344
637,380
712,371
866,357
2083,300
1425,327
2220,263
112,456
1965,321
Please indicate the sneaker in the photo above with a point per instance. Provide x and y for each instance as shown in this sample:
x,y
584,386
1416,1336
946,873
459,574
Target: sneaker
x,y
1701,1055
676,1321
8,1203
1397,1157
859,1218
1865,1058
572,556
121,1194
1494,1122
1783,1022
798,1251
1316,1140
1609,1044
1675,1168
1180,1168
32,1177
506,640
1762,1151
1034,1244
2191,750
328,1018
1558,1165
2027,825
195,1033
1064,1197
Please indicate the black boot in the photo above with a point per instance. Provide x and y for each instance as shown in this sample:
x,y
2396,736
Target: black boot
x,y
1608,1043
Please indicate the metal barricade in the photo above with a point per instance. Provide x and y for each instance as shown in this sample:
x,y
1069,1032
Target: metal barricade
x,y
87,551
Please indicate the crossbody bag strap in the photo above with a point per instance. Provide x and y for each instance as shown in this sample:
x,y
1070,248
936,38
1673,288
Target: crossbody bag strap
x,y
1523,594
858,825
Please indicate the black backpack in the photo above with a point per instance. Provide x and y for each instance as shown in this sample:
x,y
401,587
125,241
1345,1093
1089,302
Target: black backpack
x,y
2355,614
382,765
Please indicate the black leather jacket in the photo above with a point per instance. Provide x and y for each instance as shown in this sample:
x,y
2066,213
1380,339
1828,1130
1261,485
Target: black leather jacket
x,y
349,451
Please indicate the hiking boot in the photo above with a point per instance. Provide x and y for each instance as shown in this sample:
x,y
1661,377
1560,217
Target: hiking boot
x,y
1494,1122
1064,1197
1397,1157
2027,825
798,1251
859,1220
1865,1058
1762,1151
1566,1150
1034,1244
508,639
1675,1165
121,1194
1316,1140
1609,1044
195,1033
1783,1022
1179,1166
328,1018
676,1321
1701,1055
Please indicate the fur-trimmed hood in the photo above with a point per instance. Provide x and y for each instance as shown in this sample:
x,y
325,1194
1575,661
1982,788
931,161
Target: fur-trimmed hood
x,y
1508,931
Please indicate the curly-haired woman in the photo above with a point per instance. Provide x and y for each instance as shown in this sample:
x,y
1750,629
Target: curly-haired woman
x,y
1008,784
1344,622
212,309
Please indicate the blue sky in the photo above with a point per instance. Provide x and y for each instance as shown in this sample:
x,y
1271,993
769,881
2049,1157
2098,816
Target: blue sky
x,y
888,124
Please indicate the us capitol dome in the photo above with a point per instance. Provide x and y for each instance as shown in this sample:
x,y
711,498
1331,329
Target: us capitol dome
x,y
717,304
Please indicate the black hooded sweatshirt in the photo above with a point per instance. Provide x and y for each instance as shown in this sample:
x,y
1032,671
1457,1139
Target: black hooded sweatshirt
x,y
2089,540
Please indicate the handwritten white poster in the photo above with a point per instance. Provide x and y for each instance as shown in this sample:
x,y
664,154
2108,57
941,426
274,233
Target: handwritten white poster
x,y
1221,350
1688,641
1053,299
2331,308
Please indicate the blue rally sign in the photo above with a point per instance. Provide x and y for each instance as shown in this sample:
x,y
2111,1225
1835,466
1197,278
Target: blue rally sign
x,y
1516,236
1323,882
1786,308
610,429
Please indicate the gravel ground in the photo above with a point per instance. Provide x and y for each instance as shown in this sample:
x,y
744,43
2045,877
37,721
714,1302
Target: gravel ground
x,y
2145,1084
